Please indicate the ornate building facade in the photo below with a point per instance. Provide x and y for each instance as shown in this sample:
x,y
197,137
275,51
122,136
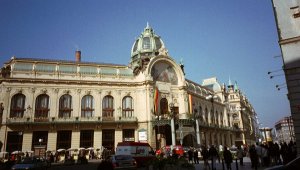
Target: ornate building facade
x,y
60,104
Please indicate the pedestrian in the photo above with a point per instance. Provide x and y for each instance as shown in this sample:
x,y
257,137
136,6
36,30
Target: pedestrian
x,y
205,155
196,159
253,157
240,155
190,153
213,154
227,157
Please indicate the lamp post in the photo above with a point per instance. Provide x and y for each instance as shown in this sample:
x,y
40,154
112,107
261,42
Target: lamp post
x,y
171,105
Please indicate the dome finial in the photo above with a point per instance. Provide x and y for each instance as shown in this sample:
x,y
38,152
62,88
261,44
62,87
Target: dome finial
x,y
147,25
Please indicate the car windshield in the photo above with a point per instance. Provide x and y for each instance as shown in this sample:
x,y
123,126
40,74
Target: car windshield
x,y
123,157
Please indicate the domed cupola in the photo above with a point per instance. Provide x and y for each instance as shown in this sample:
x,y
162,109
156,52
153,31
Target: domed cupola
x,y
148,45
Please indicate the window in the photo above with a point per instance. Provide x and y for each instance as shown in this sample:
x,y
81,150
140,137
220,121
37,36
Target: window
x,y
206,115
42,106
135,45
65,106
128,135
127,107
87,106
163,106
17,107
146,43
108,106
157,43
86,138
64,139
108,138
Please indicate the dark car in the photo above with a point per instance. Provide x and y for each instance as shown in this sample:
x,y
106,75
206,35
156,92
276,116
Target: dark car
x,y
122,161
31,163
294,164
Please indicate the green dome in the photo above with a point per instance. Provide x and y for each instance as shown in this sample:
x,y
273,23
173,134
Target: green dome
x,y
146,46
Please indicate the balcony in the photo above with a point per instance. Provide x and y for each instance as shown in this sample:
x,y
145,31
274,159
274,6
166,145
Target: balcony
x,y
66,120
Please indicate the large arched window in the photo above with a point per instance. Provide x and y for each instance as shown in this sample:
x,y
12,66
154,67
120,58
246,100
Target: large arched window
x,y
65,106
17,106
108,107
87,106
127,107
42,106
164,106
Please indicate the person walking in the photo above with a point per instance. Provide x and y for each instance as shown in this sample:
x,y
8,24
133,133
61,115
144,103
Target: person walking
x,y
205,155
240,155
196,158
227,157
253,157
190,153
213,154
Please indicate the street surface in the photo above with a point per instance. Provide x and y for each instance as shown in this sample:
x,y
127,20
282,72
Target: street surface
x,y
93,164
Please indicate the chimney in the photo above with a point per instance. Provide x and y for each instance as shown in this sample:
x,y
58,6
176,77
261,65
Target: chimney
x,y
78,56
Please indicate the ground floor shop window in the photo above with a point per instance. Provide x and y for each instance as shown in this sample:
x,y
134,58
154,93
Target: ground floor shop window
x,y
64,139
108,139
39,138
86,138
14,141
128,135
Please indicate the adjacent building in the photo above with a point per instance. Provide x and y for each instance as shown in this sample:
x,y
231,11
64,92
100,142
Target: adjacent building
x,y
59,104
285,130
287,16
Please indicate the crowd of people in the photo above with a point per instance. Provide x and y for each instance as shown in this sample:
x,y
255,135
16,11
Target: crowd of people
x,y
272,154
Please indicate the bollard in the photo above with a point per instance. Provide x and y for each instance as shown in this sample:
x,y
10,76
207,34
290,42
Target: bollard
x,y
236,164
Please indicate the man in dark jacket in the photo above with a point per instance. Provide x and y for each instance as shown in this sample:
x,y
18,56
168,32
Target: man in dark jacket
x,y
227,157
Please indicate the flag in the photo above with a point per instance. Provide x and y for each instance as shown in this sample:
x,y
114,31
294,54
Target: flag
x,y
155,100
190,104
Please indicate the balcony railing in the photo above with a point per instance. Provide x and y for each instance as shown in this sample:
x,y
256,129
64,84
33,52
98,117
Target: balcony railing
x,y
95,119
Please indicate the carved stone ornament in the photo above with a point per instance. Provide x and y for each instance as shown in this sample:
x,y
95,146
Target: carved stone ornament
x,y
8,89
56,90
78,90
88,92
163,51
19,90
33,89
44,91
108,92
66,91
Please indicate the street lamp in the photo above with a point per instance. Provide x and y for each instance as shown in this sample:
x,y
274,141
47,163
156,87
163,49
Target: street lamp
x,y
40,141
171,105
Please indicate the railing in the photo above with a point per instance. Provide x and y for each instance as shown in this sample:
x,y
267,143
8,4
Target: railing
x,y
22,120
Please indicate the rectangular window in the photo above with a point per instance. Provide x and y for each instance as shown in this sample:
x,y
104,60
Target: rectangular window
x,y
128,135
64,139
86,138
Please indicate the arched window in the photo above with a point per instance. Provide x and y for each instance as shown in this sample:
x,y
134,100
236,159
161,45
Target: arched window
x,y
42,106
212,116
127,107
201,114
222,118
163,106
17,106
108,107
87,106
65,106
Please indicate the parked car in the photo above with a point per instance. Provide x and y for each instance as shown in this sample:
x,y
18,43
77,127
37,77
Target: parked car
x,y
294,164
122,161
166,150
31,163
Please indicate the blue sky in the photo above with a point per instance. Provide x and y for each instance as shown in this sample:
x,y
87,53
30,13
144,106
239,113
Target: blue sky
x,y
232,38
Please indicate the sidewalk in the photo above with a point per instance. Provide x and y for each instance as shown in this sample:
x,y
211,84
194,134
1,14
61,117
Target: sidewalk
x,y
234,166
